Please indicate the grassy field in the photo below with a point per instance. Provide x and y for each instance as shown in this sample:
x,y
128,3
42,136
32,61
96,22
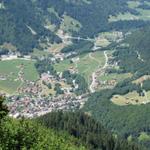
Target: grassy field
x,y
115,76
103,42
70,24
39,53
63,65
86,65
10,70
126,16
144,13
56,48
131,98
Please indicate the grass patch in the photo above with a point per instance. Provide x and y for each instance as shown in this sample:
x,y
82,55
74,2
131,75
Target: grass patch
x,y
132,98
39,53
9,86
124,17
70,24
10,70
56,48
144,14
86,65
115,76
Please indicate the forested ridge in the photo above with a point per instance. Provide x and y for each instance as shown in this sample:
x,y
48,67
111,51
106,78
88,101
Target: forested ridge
x,y
135,57
22,25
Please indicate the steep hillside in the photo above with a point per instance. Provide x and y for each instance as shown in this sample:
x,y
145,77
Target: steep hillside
x,y
27,24
135,56
90,132
125,108
22,25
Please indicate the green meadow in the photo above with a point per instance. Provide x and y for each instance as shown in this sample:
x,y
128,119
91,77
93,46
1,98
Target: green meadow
x,y
86,65
10,70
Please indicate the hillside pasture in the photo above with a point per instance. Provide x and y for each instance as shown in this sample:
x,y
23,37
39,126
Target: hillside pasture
x,y
132,98
70,24
115,76
9,70
144,14
86,64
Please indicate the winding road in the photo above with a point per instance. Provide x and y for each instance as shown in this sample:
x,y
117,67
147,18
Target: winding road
x,y
94,76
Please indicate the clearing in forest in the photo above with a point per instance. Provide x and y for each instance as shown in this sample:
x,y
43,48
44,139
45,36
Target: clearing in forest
x,y
132,98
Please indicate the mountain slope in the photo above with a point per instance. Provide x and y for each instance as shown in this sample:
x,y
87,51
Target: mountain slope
x,y
127,119
27,24
89,131
21,24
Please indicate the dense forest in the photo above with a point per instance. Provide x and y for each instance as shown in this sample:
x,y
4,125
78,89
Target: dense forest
x,y
90,132
135,57
93,20
22,24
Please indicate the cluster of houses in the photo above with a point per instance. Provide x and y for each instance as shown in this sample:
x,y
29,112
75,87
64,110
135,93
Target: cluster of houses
x,y
67,89
30,102
14,55
61,56
31,107
31,88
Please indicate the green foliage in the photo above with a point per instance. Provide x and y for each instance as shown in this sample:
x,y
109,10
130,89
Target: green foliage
x,y
128,120
58,89
135,58
3,108
44,66
82,85
146,85
92,23
18,21
22,22
25,135
79,80
82,126
79,47
125,120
